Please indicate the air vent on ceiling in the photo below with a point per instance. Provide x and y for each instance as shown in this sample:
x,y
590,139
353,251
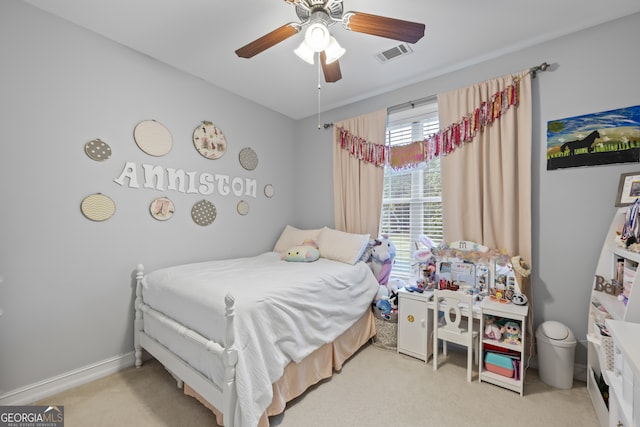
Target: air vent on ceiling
x,y
393,53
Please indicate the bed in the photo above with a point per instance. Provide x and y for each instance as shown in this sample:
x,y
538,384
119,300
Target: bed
x,y
246,335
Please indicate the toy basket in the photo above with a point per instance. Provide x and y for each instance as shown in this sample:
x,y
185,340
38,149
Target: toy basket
x,y
604,346
605,350
386,331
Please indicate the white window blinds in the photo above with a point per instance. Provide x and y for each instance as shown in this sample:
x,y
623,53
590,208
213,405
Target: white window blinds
x,y
412,199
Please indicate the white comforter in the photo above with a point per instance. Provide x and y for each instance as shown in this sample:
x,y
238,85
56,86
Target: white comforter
x,y
284,311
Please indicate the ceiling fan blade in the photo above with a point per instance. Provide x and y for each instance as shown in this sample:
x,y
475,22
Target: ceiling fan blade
x,y
268,40
382,26
331,71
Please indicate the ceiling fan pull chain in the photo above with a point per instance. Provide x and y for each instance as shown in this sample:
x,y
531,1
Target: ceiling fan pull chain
x,y
319,87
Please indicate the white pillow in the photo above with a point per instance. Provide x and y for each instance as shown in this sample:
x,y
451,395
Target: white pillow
x,y
342,246
292,236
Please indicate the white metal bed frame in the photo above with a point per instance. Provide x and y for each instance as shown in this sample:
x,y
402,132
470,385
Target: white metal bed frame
x,y
224,397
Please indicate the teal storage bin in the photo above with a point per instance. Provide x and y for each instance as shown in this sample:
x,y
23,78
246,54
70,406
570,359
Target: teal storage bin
x,y
499,364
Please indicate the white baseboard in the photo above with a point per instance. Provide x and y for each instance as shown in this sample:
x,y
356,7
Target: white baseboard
x,y
43,389
580,372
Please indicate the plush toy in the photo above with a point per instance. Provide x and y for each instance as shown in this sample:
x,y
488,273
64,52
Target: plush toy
x,y
383,255
394,286
383,293
385,308
492,330
386,300
512,333
426,262
306,252
423,249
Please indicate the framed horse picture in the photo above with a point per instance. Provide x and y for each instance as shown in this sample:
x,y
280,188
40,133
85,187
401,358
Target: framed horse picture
x,y
594,139
628,189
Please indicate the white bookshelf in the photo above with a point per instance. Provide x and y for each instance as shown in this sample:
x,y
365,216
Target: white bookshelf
x,y
616,263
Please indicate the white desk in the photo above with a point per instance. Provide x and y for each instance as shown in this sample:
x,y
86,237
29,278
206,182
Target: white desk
x,y
415,331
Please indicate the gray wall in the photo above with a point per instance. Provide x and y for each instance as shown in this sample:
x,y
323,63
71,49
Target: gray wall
x,y
592,70
67,288
66,293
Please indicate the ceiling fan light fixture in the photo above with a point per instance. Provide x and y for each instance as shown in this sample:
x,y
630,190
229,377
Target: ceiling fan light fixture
x,y
334,51
317,16
304,52
317,36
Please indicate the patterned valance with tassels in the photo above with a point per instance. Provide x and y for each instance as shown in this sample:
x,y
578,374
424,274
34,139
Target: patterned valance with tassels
x,y
441,143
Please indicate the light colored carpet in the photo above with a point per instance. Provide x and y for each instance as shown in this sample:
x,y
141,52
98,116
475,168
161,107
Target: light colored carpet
x,y
376,388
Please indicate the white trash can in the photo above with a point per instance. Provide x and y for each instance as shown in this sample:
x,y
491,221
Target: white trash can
x,y
556,354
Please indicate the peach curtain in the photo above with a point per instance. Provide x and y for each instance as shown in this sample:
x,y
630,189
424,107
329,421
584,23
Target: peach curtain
x,y
486,184
357,185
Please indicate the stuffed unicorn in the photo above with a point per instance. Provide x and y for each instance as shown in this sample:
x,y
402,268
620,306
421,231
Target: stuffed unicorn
x,y
382,258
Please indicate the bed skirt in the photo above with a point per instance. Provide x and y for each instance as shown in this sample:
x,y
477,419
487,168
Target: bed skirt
x,y
317,366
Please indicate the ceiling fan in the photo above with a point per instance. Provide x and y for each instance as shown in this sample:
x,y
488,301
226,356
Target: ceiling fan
x,y
318,16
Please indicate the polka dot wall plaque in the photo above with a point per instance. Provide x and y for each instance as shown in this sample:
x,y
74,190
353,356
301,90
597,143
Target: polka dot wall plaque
x,y
248,159
97,150
98,207
203,212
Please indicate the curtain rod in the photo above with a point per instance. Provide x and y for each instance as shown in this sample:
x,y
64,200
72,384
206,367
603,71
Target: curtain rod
x,y
404,106
412,104
541,67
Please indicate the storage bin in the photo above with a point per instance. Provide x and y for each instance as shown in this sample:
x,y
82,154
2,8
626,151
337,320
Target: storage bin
x,y
499,364
386,334
605,350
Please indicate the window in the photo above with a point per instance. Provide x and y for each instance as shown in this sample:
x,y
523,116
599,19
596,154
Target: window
x,y
412,199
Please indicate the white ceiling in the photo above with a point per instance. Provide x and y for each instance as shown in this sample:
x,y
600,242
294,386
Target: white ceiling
x,y
201,36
